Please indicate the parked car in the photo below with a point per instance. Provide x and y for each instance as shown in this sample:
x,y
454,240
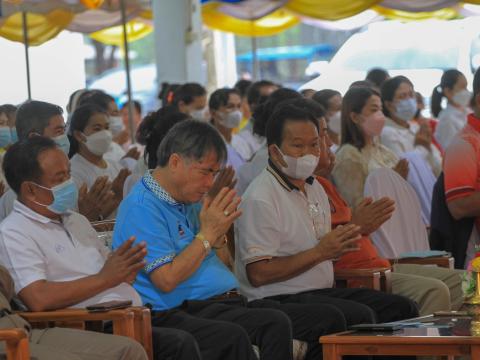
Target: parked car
x,y
421,51
144,85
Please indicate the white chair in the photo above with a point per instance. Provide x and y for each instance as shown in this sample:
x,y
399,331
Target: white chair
x,y
422,180
405,231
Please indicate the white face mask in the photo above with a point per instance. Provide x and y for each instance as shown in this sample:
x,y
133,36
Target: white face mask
x,y
231,119
98,143
406,109
199,114
299,168
335,123
462,97
116,125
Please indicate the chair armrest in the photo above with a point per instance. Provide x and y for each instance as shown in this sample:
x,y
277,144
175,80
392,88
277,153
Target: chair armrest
x,y
104,225
441,261
143,328
123,319
17,343
377,278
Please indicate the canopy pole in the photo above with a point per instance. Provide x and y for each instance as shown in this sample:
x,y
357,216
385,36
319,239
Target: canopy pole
x,y
255,64
27,57
126,58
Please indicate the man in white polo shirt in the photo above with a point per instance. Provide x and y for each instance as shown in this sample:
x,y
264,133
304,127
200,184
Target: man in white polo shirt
x,y
284,243
53,253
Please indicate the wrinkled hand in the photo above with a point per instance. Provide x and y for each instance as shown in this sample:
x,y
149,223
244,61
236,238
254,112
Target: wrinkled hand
x,y
339,241
218,214
124,263
90,202
133,153
402,168
423,137
370,215
117,183
225,178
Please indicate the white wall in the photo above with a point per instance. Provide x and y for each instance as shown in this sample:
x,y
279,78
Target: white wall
x,y
57,68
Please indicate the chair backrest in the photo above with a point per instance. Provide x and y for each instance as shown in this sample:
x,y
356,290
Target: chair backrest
x,y
405,231
422,180
104,230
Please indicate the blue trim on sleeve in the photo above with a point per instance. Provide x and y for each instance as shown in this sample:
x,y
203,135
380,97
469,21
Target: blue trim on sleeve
x,y
158,262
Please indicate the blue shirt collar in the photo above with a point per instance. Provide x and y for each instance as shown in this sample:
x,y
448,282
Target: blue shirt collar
x,y
157,190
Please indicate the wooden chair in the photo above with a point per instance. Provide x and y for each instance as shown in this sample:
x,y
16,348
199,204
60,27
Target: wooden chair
x,y
446,261
104,225
17,343
376,279
133,322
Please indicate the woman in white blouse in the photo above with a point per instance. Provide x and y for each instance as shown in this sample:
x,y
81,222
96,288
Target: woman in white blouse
x,y
452,118
400,133
90,138
360,151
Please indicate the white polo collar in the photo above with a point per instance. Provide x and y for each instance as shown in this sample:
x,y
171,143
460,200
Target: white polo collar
x,y
33,215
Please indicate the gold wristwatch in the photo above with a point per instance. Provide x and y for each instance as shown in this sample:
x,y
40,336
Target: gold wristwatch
x,y
205,243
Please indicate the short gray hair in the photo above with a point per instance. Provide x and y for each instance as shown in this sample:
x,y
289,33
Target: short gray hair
x,y
191,139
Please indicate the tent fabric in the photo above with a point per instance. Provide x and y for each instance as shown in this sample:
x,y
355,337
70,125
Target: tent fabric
x,y
114,35
45,19
41,28
269,25
44,26
442,14
330,9
242,17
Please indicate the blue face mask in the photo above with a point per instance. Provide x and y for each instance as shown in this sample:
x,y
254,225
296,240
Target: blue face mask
x,y
5,136
406,109
65,197
14,135
63,143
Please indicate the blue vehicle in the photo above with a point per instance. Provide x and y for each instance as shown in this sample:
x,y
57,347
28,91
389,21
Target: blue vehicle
x,y
285,64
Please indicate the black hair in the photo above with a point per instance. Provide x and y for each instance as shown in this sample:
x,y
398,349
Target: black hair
x,y
263,111
148,122
304,92
283,114
448,80
79,121
220,97
20,162
136,105
354,100
187,93
361,83
310,105
34,116
476,88
158,126
193,140
74,99
377,76
9,108
166,93
323,97
254,96
242,86
388,90
96,97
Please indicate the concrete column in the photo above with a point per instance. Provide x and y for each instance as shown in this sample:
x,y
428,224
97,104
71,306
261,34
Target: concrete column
x,y
178,28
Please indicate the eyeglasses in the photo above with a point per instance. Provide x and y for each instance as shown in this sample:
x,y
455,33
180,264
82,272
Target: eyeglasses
x,y
318,217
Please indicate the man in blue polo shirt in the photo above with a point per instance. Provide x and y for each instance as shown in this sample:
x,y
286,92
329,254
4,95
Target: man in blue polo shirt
x,y
184,281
